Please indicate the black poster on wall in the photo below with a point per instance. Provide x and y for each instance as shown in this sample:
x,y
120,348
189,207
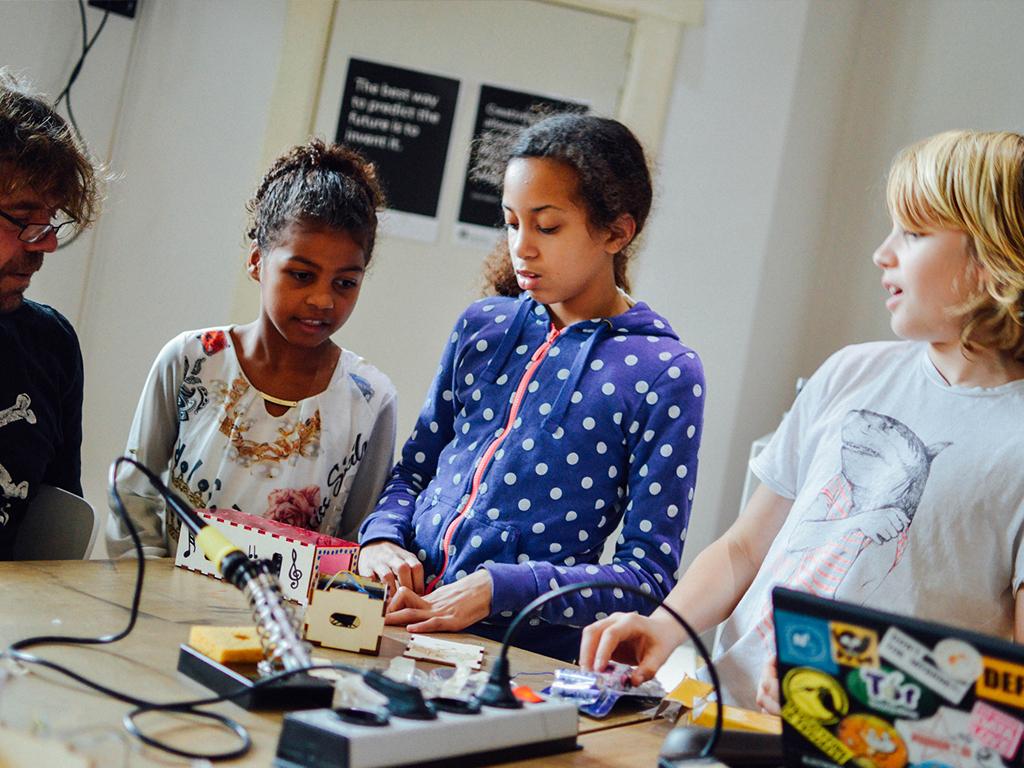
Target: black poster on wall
x,y
401,120
502,112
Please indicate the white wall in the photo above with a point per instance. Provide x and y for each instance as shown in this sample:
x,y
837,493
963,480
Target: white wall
x,y
186,144
43,40
922,66
414,291
743,170
783,119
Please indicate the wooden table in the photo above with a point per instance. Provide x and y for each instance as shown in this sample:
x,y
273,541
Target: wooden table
x,y
91,598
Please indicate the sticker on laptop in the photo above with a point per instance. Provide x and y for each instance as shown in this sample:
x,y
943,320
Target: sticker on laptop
x,y
1001,681
872,738
996,729
947,669
817,734
804,641
946,738
854,646
890,692
958,659
815,694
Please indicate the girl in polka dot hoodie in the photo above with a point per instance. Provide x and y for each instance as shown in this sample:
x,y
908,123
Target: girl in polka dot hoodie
x,y
560,408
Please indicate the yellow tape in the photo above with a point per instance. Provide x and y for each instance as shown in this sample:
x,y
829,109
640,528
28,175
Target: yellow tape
x,y
736,719
214,544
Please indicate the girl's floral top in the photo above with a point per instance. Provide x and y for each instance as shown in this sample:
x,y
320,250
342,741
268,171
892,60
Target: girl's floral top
x,y
320,465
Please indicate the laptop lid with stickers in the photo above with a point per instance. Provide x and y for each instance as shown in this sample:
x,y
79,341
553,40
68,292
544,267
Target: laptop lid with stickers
x,y
868,689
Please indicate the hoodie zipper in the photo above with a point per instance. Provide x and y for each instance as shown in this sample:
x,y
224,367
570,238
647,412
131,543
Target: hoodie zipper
x,y
535,360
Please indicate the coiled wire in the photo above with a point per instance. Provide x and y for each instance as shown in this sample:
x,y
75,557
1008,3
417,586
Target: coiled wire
x,y
276,624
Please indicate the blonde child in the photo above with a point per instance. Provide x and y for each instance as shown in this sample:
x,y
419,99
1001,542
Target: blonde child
x,y
272,417
561,407
895,481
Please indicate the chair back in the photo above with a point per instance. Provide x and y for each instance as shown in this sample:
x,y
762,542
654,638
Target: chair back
x,y
58,526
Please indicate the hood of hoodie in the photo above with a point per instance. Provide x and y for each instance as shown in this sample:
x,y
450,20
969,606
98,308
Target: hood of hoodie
x,y
638,320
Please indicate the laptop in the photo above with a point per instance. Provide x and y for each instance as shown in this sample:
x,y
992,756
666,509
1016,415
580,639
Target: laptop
x,y
868,689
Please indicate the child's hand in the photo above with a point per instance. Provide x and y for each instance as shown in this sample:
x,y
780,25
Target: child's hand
x,y
387,562
631,638
768,688
449,608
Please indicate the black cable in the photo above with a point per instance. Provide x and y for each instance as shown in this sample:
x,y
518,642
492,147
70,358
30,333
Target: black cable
x,y
499,673
65,94
15,648
142,706
243,736
189,517
189,707
87,44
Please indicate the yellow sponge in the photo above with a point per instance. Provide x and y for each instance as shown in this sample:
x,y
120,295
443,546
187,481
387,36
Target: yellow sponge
x,y
227,644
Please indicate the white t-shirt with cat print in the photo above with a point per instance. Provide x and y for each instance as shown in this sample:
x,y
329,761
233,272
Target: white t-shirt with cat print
x,y
908,497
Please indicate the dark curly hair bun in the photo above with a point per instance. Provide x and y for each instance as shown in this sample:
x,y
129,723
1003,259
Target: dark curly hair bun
x,y
320,184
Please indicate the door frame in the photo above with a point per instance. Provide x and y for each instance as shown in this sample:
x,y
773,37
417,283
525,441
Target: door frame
x,y
656,36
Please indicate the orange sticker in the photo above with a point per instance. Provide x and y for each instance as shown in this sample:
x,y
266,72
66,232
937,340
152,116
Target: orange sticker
x,y
1001,681
873,738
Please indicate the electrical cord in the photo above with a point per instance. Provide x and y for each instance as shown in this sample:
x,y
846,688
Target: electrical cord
x,y
497,689
14,650
65,94
141,706
498,692
87,44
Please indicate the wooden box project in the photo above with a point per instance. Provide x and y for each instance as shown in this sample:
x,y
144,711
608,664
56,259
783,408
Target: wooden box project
x,y
347,612
297,555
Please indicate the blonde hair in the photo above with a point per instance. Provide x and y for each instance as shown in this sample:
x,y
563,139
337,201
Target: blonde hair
x,y
972,182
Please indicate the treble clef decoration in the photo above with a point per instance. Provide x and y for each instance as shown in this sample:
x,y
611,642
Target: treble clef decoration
x,y
294,574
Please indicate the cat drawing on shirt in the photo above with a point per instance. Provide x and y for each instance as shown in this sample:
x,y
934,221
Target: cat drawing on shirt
x,y
869,506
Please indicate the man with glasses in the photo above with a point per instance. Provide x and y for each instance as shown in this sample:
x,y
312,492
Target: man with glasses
x,y
48,185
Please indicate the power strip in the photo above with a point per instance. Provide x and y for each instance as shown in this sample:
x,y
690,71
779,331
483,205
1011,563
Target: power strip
x,y
320,738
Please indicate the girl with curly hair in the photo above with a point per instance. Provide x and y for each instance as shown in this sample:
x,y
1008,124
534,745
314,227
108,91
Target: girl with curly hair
x,y
272,417
562,407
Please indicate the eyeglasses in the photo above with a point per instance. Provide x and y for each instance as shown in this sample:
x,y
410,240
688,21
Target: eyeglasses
x,y
33,233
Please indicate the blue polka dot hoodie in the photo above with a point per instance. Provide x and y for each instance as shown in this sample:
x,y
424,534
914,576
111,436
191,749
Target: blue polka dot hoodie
x,y
532,446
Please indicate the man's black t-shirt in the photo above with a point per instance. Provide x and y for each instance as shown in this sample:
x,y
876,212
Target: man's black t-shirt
x,y
40,411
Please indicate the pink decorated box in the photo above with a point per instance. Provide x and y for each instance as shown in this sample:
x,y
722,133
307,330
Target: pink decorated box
x,y
297,555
